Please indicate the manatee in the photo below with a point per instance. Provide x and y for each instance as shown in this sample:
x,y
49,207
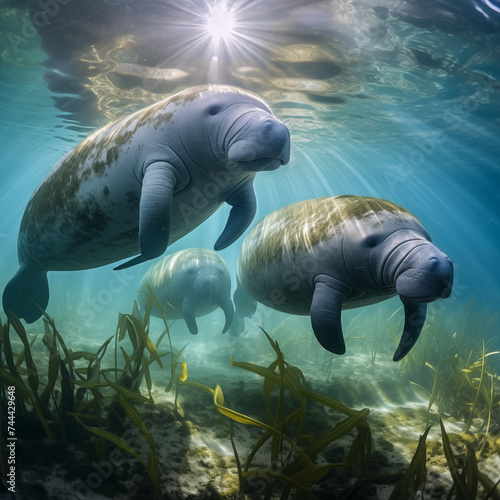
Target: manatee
x,y
188,284
141,183
320,256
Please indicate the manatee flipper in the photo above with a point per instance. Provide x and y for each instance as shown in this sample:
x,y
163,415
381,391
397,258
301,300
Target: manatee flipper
x,y
155,210
415,313
188,312
244,207
28,285
245,306
226,304
237,326
326,311
136,260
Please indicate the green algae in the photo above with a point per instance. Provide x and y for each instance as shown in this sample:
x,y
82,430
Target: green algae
x,y
453,370
296,229
105,398
463,466
292,451
223,483
79,391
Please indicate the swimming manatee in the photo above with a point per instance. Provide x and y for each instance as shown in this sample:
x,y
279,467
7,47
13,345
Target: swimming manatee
x,y
188,284
141,183
320,256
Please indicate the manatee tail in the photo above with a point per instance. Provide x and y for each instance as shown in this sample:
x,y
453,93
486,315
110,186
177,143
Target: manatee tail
x,y
28,286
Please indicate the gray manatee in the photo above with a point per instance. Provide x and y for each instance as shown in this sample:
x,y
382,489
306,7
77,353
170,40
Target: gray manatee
x,y
188,284
323,255
141,183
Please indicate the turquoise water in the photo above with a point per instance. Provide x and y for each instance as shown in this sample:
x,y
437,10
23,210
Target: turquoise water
x,y
397,100
382,100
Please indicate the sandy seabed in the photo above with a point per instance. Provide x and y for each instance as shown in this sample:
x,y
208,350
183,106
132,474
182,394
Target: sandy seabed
x,y
195,455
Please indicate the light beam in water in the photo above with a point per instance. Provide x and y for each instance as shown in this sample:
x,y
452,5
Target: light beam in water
x,y
220,23
223,34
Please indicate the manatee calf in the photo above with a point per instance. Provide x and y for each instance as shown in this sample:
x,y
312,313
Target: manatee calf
x,y
189,284
323,255
141,183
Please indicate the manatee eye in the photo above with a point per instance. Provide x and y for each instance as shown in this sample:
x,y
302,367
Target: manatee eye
x,y
214,110
371,241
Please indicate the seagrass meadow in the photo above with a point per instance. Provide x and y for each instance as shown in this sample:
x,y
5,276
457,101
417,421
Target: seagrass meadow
x,y
104,393
143,417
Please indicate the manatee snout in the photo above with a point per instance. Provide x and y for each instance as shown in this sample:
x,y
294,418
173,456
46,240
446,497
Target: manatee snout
x,y
275,141
263,143
425,275
442,270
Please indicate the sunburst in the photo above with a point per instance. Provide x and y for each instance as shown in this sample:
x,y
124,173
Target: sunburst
x,y
223,33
